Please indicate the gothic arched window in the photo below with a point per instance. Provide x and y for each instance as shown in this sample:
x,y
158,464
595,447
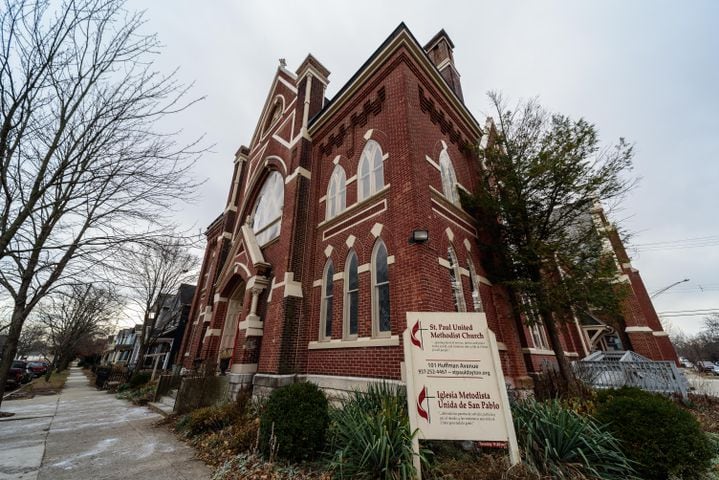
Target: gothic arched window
x,y
455,277
351,310
474,284
370,173
326,306
380,291
336,192
267,214
449,179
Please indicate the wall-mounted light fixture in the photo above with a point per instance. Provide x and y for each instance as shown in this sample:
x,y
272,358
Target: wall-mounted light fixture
x,y
419,236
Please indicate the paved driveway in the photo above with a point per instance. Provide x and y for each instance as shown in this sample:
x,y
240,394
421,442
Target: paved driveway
x,y
83,434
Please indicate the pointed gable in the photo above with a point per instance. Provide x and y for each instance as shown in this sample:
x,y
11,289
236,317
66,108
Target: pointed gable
x,y
278,107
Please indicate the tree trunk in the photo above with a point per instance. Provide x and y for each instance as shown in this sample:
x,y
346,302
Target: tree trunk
x,y
140,361
64,362
51,368
11,344
550,324
565,368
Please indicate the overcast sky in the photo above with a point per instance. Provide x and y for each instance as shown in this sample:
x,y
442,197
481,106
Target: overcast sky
x,y
647,71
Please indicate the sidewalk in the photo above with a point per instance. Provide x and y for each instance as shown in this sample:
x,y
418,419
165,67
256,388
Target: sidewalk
x,y
88,434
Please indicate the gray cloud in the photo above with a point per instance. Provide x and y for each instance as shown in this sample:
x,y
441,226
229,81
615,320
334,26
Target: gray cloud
x,y
647,71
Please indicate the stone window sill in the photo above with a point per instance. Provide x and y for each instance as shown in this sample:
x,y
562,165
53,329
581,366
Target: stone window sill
x,y
361,342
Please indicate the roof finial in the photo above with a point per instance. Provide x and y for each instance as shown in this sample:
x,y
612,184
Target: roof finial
x,y
283,62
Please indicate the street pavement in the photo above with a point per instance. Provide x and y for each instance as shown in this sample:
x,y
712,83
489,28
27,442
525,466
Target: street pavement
x,y
85,434
703,383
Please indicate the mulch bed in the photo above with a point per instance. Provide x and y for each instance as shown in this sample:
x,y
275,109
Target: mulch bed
x,y
706,410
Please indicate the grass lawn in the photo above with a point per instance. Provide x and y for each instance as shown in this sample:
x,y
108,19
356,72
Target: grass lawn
x,y
53,385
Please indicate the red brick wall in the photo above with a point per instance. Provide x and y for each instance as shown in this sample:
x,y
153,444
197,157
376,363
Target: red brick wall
x,y
411,119
418,281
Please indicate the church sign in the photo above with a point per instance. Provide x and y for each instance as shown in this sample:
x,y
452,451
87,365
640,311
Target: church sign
x,y
455,385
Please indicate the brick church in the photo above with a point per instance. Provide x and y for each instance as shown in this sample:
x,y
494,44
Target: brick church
x,y
343,214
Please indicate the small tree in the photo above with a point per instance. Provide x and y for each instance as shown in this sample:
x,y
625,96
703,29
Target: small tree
x,y
33,339
75,317
151,273
544,176
703,345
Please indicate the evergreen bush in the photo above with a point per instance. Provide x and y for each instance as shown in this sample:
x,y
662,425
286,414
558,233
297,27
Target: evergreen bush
x,y
563,444
294,422
665,440
370,437
139,379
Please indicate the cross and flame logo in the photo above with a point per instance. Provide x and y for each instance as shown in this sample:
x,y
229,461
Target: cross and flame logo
x,y
422,401
417,341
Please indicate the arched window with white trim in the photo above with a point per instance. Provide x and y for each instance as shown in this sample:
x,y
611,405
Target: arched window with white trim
x,y
534,322
351,303
455,278
370,173
267,214
474,284
326,305
336,192
449,179
381,325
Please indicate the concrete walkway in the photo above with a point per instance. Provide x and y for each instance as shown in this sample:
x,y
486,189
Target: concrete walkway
x,y
85,434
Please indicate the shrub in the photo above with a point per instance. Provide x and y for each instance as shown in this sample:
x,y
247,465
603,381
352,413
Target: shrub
x,y
713,473
370,435
662,438
209,419
295,419
139,379
561,443
139,396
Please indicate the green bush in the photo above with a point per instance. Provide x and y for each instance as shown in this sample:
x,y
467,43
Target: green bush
x,y
209,419
560,443
370,437
123,387
294,421
662,438
139,379
713,473
139,396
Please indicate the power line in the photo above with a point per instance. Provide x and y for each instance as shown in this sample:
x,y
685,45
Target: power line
x,y
704,314
676,247
714,238
695,242
712,309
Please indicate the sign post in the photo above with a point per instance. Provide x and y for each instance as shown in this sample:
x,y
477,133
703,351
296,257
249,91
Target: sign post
x,y
455,385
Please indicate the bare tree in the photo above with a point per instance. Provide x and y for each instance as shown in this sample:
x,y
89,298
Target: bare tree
x,y
83,168
703,345
75,317
152,273
33,339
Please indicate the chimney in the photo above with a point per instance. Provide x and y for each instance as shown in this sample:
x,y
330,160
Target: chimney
x,y
439,50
